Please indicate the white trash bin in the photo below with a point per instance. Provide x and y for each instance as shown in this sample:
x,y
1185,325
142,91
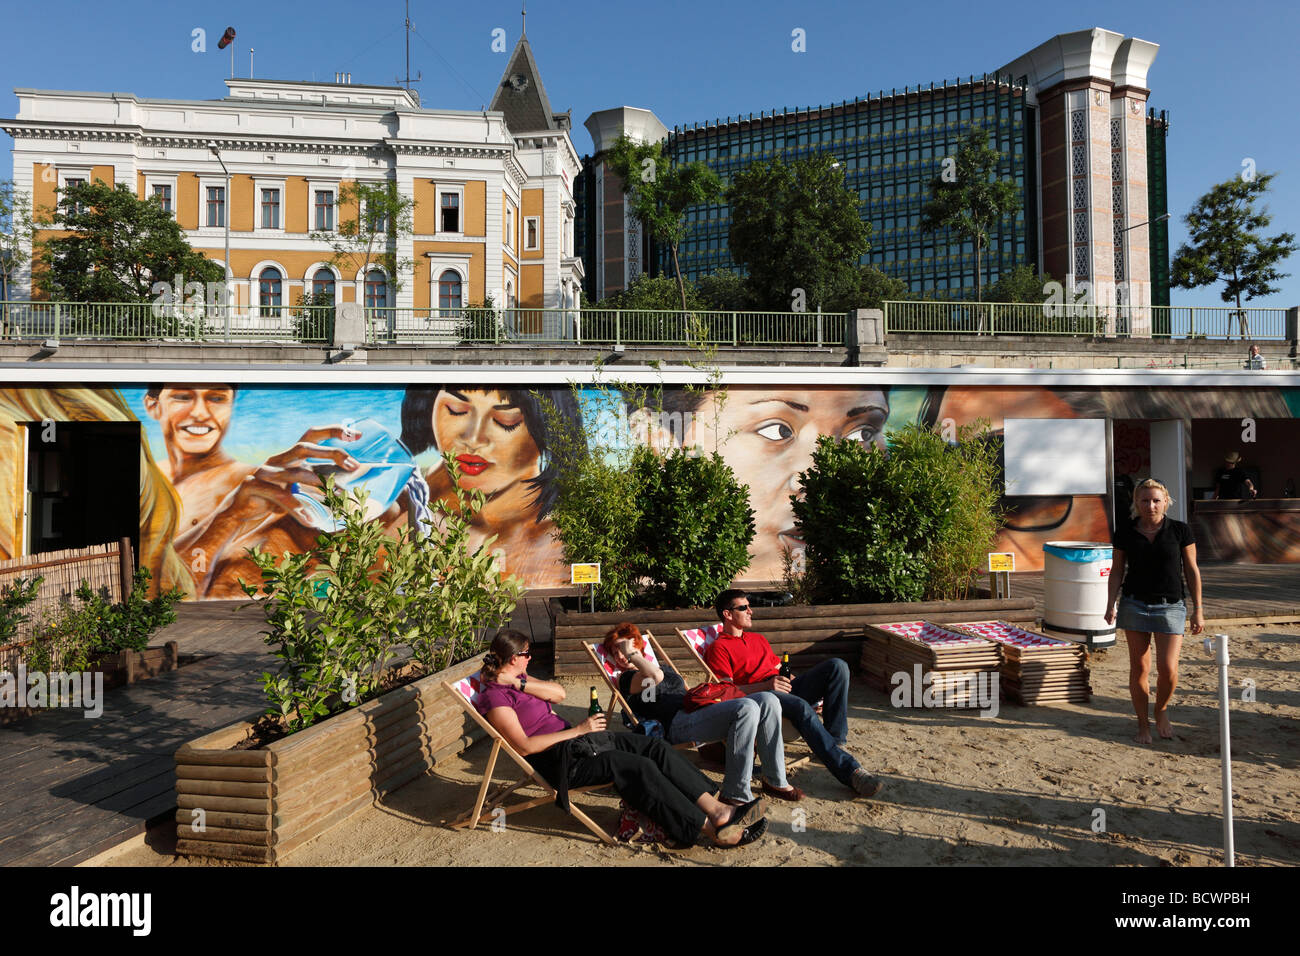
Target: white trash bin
x,y
1076,583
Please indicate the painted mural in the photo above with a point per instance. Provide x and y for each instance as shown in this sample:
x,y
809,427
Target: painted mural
x,y
227,468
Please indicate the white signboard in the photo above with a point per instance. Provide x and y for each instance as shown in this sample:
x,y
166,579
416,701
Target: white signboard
x,y
1056,456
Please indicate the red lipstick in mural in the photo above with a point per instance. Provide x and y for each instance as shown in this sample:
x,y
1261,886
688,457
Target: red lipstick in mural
x,y
471,464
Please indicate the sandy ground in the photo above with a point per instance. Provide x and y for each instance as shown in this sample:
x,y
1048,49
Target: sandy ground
x,y
1024,787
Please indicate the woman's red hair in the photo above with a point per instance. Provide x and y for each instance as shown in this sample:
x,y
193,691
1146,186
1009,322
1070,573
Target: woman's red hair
x,y
627,631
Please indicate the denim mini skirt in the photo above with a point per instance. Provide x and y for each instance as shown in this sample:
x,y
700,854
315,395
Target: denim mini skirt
x,y
1135,615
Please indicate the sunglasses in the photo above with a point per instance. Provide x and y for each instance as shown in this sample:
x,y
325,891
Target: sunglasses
x,y
528,654
738,608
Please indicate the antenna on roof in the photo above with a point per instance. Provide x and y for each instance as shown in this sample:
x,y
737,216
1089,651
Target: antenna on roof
x,y
523,17
418,76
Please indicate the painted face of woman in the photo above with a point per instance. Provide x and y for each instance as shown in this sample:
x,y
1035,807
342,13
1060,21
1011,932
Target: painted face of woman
x,y
487,437
768,436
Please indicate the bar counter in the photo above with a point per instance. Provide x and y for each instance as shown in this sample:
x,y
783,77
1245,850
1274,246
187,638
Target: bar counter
x,y
1250,531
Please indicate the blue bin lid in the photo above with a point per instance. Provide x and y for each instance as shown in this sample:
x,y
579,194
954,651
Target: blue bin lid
x,y
1081,552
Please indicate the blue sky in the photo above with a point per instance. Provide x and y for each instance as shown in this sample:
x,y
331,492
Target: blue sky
x,y
1224,70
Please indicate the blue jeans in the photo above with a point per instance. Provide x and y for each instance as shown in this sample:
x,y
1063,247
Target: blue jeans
x,y
826,735
741,723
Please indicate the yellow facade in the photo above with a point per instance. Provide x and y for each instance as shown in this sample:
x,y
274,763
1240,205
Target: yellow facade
x,y
243,204
475,211
422,289
45,180
297,205
532,287
102,175
534,204
188,208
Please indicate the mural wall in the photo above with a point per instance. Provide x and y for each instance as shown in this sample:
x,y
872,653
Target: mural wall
x,y
226,468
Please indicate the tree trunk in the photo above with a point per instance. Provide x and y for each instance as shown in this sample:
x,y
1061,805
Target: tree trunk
x,y
677,271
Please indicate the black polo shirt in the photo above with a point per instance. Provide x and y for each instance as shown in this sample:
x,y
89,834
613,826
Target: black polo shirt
x,y
1154,569
666,701
1231,483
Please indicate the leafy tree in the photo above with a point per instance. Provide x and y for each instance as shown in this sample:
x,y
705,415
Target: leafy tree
x,y
654,294
307,316
794,226
725,291
1225,243
968,198
118,247
1021,284
372,219
15,233
875,287
659,192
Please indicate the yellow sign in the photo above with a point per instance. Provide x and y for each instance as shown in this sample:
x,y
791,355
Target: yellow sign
x,y
584,573
999,561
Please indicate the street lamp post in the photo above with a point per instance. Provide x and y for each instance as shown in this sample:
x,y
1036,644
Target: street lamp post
x,y
225,221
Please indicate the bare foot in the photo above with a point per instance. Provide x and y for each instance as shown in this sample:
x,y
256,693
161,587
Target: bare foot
x,y
1164,726
1143,734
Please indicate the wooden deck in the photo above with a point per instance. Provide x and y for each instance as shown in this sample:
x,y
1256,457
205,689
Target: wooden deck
x,y
1233,593
73,787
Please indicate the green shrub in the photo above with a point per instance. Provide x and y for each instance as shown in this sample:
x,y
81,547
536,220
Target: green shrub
x,y
696,525
338,613
93,626
15,598
597,517
907,525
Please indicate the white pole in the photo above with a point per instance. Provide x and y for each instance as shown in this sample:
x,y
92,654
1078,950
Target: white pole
x,y
1219,645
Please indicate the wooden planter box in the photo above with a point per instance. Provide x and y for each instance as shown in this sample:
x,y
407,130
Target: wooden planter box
x,y
810,634
124,667
259,804
127,667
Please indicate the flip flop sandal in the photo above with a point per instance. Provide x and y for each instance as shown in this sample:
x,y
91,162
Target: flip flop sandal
x,y
744,816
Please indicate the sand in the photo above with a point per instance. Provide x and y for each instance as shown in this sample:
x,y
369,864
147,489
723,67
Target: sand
x,y
1055,785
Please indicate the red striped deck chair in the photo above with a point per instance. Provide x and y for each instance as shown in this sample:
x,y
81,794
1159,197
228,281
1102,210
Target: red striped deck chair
x,y
697,641
653,652
485,806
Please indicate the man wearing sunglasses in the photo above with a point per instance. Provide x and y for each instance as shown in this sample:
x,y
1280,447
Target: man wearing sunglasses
x,y
746,659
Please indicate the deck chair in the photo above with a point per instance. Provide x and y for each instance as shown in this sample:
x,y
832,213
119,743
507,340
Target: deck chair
x,y
697,641
465,692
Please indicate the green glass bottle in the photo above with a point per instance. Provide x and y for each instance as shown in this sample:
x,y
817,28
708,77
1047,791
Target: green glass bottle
x,y
785,667
595,707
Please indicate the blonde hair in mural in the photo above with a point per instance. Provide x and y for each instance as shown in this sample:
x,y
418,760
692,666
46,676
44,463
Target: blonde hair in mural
x,y
159,504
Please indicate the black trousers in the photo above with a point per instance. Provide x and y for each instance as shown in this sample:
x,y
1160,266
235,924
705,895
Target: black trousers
x,y
648,774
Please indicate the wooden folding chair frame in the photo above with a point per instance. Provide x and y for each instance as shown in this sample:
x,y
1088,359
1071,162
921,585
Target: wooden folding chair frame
x,y
485,806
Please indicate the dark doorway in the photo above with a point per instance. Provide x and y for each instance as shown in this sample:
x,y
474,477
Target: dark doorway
x,y
83,484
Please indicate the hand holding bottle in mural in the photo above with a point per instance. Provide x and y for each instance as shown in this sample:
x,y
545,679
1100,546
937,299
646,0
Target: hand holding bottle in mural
x,y
260,509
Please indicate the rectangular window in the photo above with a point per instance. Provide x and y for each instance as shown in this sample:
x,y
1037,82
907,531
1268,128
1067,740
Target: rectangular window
x,y
532,229
376,220
216,206
270,209
164,194
324,210
68,183
450,208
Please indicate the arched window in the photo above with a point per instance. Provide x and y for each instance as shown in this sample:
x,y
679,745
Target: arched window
x,y
449,290
269,290
322,284
510,294
376,289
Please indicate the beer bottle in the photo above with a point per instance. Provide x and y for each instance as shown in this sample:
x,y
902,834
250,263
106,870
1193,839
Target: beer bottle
x,y
595,707
785,667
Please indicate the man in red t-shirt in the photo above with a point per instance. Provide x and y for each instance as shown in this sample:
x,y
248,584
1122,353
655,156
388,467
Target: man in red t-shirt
x,y
745,658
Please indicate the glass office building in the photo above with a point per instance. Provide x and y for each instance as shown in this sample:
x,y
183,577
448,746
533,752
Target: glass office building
x,y
1069,120
891,146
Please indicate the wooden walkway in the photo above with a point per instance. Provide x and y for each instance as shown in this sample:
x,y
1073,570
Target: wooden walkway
x,y
73,787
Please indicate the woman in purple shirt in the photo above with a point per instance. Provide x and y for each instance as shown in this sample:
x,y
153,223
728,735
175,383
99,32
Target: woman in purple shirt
x,y
648,774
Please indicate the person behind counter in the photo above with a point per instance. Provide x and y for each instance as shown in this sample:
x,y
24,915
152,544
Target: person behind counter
x,y
1231,482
